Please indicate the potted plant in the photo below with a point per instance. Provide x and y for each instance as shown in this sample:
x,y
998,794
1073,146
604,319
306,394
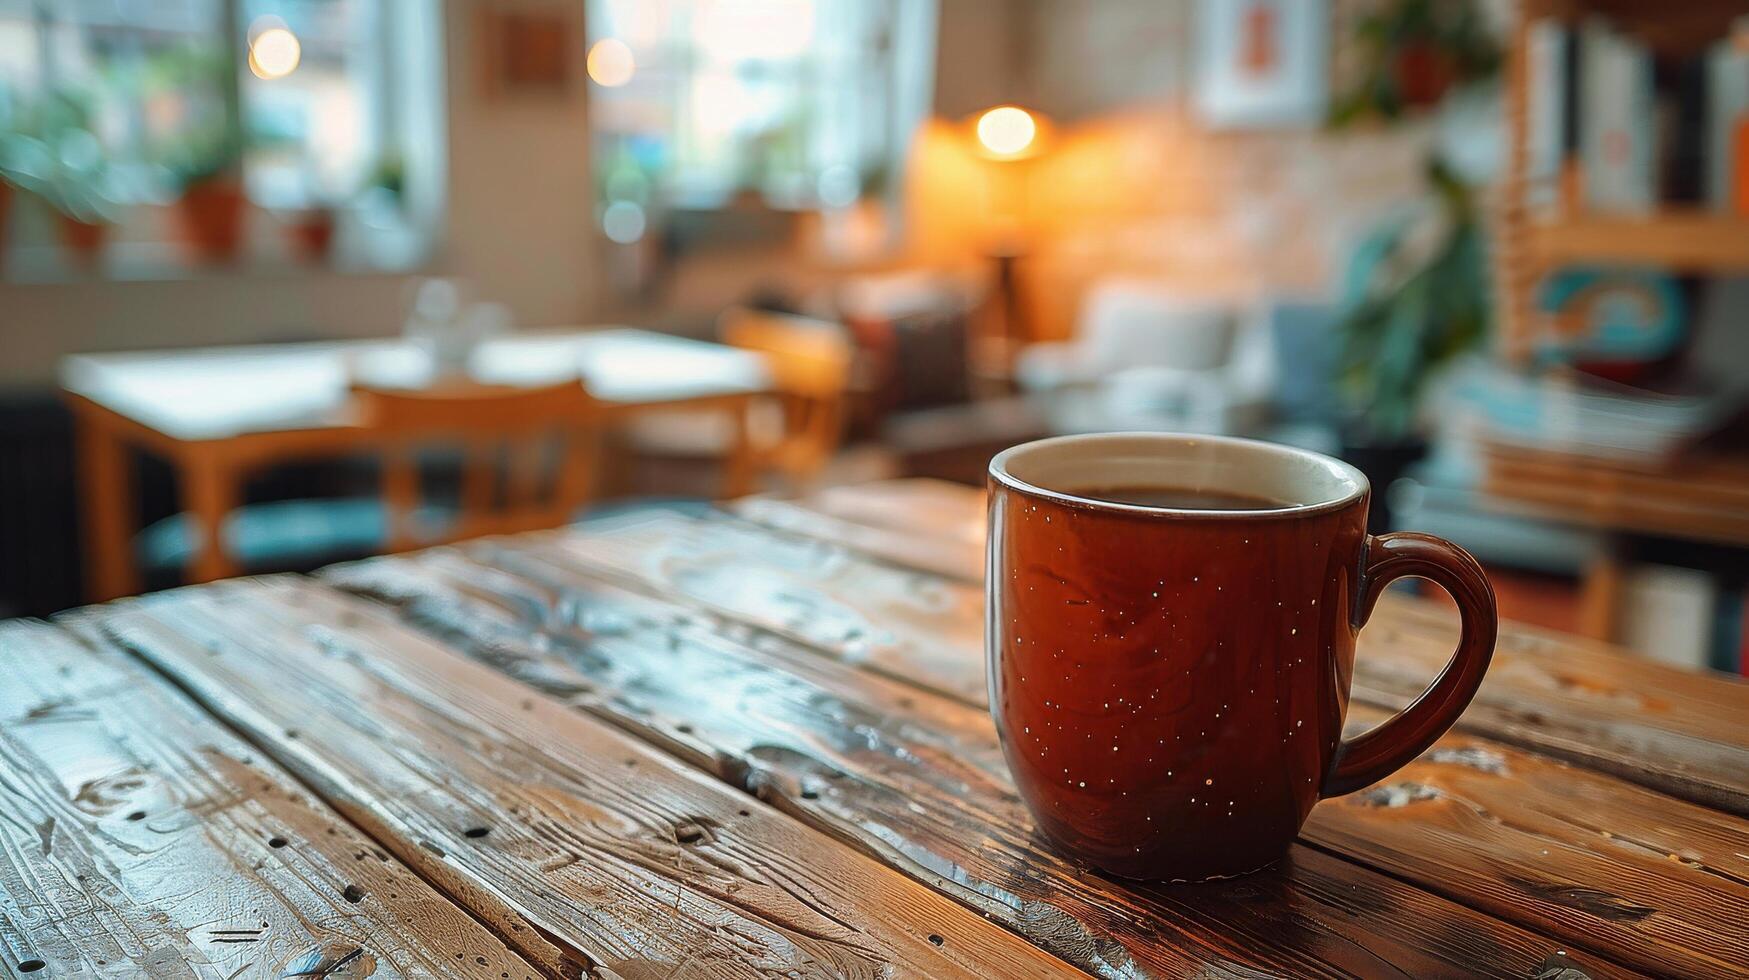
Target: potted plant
x,y
310,232
9,186
206,173
1417,299
9,140
389,179
1411,53
1417,291
52,154
84,213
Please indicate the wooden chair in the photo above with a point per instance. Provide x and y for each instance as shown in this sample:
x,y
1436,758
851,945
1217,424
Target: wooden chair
x,y
527,456
809,361
798,433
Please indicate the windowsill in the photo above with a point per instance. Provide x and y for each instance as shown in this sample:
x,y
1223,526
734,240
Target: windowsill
x,y
382,253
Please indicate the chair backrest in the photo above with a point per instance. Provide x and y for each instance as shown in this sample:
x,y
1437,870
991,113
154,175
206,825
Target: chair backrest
x,y
527,454
810,362
1128,323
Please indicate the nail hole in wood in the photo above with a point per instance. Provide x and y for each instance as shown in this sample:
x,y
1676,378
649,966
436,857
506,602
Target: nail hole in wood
x,y
353,894
808,794
31,966
937,940
745,813
683,729
276,842
291,733
631,762
137,815
476,832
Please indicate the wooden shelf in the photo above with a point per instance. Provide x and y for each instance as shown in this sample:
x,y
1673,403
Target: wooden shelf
x,y
1692,241
1668,27
1528,247
1702,499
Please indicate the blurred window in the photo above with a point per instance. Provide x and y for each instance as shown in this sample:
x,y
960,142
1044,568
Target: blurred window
x,y
808,103
315,103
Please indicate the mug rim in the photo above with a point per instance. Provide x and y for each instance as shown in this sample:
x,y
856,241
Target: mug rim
x,y
998,472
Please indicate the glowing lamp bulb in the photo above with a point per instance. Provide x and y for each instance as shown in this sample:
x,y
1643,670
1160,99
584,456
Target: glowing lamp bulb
x,y
275,53
1006,130
610,63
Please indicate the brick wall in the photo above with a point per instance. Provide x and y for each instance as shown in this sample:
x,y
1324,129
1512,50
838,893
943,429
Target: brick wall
x,y
1134,184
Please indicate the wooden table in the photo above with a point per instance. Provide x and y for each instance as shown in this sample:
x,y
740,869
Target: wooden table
x,y
216,413
755,745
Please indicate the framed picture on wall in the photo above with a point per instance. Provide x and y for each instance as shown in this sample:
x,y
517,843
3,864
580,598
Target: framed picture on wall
x,y
1262,63
525,52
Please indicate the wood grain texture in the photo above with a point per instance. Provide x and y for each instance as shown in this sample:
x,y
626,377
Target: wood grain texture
x,y
580,845
1588,703
139,837
917,779
944,518
1680,732
901,622
1656,882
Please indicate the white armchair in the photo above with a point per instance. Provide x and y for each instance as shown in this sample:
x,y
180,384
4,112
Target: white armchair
x,y
1148,357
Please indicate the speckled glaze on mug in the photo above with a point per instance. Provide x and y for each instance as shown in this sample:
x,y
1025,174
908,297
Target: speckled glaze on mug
x,y
1170,684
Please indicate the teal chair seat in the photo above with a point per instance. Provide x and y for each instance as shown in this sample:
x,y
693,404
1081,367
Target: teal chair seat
x,y
287,535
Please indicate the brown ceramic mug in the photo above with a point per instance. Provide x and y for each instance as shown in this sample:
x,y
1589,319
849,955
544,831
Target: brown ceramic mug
x,y
1170,682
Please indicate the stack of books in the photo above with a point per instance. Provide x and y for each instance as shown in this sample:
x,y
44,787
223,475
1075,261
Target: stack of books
x,y
1642,131
1584,416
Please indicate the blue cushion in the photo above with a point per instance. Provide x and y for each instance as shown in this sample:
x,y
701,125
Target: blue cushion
x,y
1306,344
285,534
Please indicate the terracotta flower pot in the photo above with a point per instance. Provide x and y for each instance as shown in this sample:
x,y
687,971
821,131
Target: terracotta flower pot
x,y
1424,74
83,240
311,234
212,218
5,217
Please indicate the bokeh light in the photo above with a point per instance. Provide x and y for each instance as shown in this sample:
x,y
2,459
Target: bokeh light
x,y
623,222
274,51
610,63
1006,130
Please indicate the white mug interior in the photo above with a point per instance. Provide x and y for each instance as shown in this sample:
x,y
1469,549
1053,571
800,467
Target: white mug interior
x,y
1067,468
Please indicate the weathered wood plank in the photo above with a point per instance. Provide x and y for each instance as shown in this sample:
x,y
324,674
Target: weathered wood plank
x,y
946,518
951,545
901,622
1679,732
934,508
1650,880
918,780
547,824
139,837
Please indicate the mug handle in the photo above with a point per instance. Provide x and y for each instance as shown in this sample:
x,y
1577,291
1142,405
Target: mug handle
x,y
1365,760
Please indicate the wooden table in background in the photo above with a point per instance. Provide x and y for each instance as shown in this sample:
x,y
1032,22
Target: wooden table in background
x,y
217,413
755,744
